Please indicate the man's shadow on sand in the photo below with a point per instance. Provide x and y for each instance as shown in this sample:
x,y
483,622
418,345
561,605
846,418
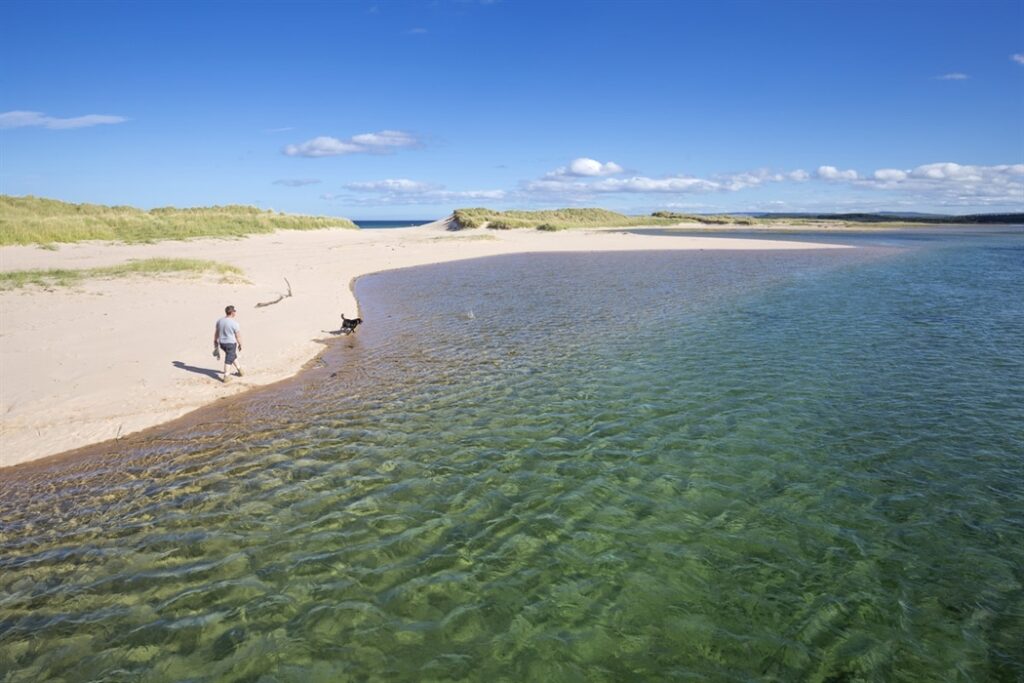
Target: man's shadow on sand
x,y
213,374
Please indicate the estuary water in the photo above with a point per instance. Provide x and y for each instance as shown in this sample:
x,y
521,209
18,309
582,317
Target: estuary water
x,y
770,466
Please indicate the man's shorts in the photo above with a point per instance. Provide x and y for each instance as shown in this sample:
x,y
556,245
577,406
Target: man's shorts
x,y
230,353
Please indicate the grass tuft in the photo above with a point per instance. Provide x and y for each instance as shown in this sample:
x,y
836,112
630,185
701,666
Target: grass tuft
x,y
34,220
56,277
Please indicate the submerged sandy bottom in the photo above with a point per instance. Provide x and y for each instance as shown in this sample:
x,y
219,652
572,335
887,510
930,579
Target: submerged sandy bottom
x,y
716,465
110,357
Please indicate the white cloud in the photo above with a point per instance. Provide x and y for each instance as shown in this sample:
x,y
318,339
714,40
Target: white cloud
x,y
403,191
385,138
936,184
392,185
746,179
560,187
283,129
25,119
953,184
584,167
1018,57
946,177
833,173
889,174
322,146
643,184
366,143
416,31
592,167
296,182
577,187
472,194
949,170
955,76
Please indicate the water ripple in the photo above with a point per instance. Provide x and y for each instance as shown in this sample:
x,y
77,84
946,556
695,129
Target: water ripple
x,y
735,466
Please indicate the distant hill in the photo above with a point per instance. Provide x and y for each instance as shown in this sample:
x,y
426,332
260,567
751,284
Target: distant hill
x,y
35,220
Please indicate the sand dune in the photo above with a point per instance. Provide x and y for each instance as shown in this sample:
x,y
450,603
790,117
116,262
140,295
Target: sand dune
x,y
110,357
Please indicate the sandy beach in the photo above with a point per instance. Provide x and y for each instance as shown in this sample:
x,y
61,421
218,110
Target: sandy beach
x,y
84,364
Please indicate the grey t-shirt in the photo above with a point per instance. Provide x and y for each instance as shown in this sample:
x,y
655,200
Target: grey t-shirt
x,y
226,329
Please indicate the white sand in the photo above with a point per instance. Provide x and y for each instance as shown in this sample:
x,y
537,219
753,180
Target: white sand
x,y
86,364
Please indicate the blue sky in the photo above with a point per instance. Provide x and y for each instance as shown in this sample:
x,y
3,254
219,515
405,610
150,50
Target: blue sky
x,y
410,109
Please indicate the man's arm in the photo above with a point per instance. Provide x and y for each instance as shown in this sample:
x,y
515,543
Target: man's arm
x,y
216,335
238,340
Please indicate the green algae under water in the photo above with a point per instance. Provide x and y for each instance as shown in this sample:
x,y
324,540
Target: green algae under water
x,y
583,467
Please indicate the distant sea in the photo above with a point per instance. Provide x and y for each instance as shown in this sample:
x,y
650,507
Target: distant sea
x,y
372,225
719,465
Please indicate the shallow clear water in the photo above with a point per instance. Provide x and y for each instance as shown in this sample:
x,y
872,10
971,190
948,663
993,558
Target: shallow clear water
x,y
588,467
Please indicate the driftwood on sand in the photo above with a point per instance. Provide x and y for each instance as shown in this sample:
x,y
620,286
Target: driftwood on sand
x,y
278,299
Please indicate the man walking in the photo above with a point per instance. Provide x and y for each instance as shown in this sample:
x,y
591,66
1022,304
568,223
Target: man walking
x,y
226,337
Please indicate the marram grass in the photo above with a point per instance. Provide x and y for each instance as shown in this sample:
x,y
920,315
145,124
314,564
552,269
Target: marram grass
x,y
563,219
555,219
34,220
707,219
59,277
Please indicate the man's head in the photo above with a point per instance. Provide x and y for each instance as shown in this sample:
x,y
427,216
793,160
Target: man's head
x,y
229,311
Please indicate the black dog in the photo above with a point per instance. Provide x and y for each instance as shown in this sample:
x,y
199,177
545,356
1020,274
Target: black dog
x,y
348,325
